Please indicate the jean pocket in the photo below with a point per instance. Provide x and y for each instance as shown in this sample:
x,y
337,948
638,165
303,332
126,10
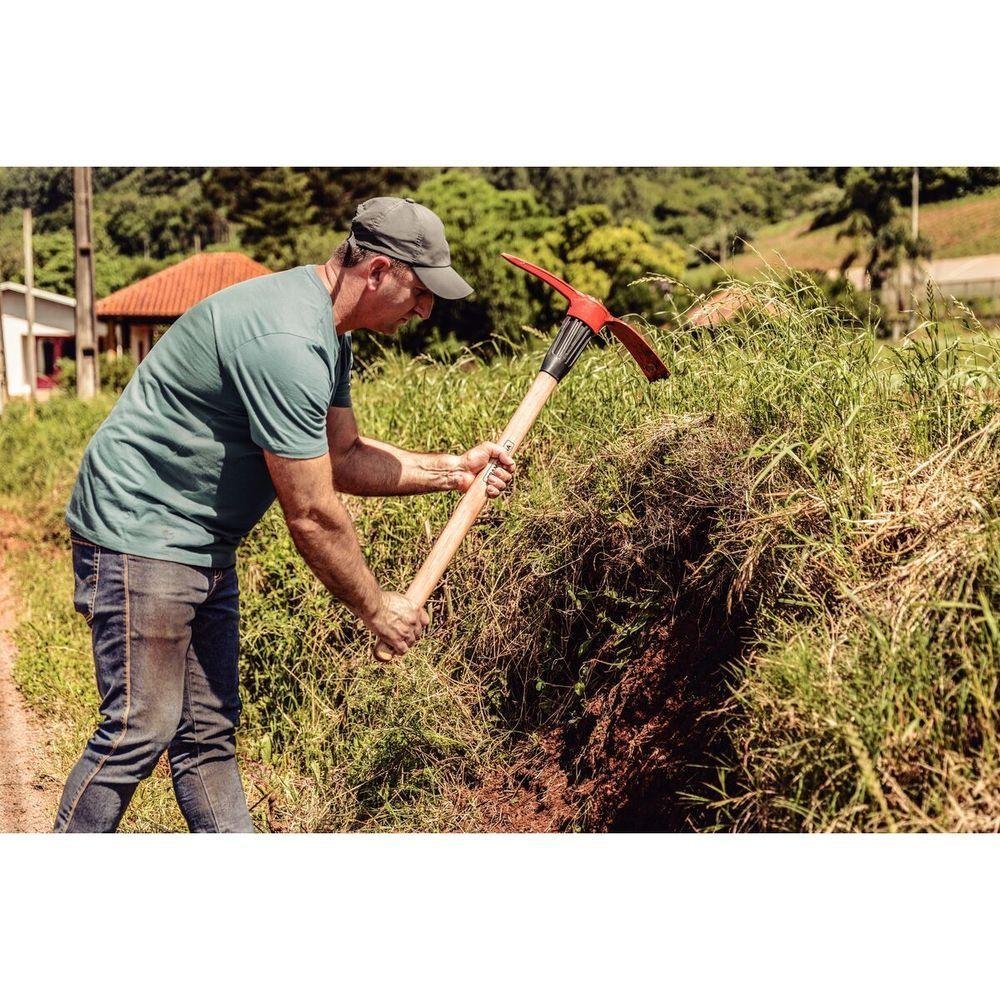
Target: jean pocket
x,y
86,570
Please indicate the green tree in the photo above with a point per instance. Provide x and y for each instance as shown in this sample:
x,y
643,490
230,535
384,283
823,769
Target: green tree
x,y
625,190
707,208
337,192
874,220
46,189
277,205
162,224
482,222
42,189
229,189
55,262
603,259
165,180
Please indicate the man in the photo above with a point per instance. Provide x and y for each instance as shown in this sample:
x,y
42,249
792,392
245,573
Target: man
x,y
246,398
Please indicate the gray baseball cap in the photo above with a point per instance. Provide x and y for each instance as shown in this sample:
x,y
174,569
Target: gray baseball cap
x,y
406,231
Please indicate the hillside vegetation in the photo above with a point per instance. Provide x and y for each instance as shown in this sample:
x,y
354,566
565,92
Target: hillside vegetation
x,y
758,595
602,226
963,227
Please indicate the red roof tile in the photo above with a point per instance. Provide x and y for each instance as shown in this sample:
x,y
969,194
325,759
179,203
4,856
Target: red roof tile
x,y
172,291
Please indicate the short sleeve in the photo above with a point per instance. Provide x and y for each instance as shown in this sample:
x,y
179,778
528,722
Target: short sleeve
x,y
342,392
285,384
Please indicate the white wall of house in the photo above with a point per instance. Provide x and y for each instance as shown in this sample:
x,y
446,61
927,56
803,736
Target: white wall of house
x,y
55,317
15,339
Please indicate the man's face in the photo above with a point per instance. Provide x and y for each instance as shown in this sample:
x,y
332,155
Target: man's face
x,y
397,296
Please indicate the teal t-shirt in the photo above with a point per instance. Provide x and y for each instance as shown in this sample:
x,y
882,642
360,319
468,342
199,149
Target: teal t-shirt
x,y
177,469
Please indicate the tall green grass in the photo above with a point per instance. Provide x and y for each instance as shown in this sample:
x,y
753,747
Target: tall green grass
x,y
837,497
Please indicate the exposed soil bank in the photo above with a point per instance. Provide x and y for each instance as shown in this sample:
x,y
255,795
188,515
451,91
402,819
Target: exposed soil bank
x,y
640,749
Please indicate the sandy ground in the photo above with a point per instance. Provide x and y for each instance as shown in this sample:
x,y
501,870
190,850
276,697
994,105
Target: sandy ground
x,y
27,801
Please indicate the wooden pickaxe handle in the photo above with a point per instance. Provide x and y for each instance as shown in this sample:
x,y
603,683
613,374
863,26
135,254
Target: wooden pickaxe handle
x,y
584,317
469,507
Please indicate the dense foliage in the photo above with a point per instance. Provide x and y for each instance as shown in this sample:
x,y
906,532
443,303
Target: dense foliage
x,y
870,206
147,218
624,234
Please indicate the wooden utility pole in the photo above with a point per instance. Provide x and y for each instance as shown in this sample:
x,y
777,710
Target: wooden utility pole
x,y
87,374
29,306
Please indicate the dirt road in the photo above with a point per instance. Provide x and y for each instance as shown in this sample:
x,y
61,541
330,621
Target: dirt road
x,y
27,802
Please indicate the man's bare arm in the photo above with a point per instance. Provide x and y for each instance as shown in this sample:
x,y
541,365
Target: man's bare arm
x,y
324,535
366,467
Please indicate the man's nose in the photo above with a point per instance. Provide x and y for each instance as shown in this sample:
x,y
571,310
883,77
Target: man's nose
x,y
424,306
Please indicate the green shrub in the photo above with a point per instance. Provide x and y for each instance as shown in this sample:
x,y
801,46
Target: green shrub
x,y
66,374
116,372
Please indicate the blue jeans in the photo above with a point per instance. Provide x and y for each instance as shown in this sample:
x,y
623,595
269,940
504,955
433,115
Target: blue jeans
x,y
166,648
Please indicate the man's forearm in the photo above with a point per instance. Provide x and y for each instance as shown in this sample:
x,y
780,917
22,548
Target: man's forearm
x,y
374,468
325,537
323,533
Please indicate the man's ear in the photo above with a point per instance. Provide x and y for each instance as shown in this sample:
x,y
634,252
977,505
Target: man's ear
x,y
378,268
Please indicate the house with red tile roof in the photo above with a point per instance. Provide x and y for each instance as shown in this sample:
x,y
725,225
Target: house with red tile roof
x,y
135,313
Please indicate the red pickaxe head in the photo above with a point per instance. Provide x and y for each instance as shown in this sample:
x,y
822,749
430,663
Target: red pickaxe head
x,y
585,317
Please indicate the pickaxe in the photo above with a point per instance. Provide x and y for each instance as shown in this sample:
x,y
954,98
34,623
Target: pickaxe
x,y
584,318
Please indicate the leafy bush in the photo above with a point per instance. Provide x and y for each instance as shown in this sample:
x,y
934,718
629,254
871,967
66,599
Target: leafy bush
x,y
66,374
602,259
116,372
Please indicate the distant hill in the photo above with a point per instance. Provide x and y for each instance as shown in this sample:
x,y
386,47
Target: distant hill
x,y
962,227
